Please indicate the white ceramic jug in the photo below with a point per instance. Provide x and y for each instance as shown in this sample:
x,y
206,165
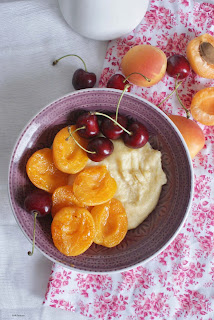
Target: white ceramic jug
x,y
103,19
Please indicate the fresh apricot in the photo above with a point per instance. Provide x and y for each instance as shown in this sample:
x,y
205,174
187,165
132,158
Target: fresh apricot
x,y
147,60
94,186
200,53
191,132
111,223
64,197
73,230
68,156
42,172
202,106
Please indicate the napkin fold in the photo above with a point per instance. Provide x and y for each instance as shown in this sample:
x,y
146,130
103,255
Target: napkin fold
x,y
179,282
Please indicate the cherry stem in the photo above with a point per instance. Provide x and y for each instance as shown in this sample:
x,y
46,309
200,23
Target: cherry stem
x,y
71,135
117,123
70,55
179,99
177,85
147,79
118,104
30,253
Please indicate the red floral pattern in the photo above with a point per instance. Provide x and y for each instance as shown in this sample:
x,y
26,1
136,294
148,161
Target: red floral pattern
x,y
179,282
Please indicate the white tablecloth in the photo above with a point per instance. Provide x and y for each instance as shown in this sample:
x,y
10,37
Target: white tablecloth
x,y
32,34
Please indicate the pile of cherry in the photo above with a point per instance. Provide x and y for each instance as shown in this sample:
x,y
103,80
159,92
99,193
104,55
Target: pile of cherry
x,y
112,127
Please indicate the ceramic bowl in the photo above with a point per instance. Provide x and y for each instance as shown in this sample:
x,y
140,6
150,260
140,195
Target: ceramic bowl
x,y
162,225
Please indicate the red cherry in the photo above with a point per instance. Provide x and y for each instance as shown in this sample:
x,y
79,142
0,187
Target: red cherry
x,y
110,130
178,66
116,82
139,135
38,203
90,122
102,148
83,79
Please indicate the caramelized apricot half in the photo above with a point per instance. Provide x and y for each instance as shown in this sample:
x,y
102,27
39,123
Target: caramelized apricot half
x,y
73,230
200,53
64,197
94,186
68,156
42,172
111,223
202,106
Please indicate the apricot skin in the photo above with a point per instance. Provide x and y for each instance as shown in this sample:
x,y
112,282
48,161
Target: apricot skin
x,y
191,132
147,60
197,63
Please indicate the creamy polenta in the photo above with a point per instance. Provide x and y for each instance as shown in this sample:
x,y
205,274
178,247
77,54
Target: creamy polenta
x,y
139,176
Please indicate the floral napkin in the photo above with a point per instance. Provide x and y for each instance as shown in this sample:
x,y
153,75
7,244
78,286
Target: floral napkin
x,y
179,282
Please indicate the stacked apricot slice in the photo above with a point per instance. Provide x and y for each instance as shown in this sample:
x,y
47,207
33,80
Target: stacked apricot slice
x,y
94,186
64,197
68,156
43,173
110,223
73,230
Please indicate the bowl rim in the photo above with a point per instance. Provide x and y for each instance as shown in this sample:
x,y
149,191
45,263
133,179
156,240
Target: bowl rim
x,y
153,106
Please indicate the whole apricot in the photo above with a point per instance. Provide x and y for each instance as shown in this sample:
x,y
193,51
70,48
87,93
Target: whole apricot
x,y
147,60
200,53
202,106
191,132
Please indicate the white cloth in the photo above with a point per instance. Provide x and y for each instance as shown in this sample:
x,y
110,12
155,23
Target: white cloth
x,y
32,34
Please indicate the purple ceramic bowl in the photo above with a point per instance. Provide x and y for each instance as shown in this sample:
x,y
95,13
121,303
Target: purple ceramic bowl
x,y
161,226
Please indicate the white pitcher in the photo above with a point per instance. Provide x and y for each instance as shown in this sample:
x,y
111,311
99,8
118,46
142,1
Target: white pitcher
x,y
103,19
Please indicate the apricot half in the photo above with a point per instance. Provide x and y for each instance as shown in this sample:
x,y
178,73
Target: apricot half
x,y
147,60
202,106
94,186
73,230
68,156
42,172
200,53
191,132
111,223
64,197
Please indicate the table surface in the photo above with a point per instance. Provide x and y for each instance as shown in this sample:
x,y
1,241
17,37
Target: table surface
x,y
33,33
